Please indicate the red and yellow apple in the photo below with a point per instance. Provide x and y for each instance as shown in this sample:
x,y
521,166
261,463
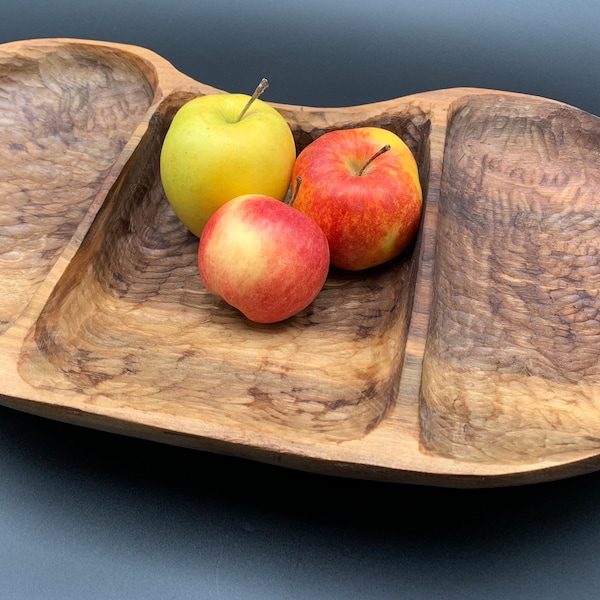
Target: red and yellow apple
x,y
263,257
361,186
222,146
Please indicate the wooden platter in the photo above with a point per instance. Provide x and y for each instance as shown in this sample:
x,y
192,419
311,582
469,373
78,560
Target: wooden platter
x,y
472,360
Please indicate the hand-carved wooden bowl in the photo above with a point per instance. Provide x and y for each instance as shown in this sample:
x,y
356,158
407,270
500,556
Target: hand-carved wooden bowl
x,y
472,360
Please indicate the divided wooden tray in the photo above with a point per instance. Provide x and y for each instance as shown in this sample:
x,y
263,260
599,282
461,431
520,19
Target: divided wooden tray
x,y
472,360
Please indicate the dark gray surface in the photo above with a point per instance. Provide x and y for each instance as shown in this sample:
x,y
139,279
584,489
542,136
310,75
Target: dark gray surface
x,y
339,52
86,514
91,515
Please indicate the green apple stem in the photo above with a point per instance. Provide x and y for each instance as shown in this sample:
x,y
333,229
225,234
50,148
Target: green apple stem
x,y
295,192
260,88
379,152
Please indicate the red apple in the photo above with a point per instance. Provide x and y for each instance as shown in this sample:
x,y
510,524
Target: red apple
x,y
263,257
361,186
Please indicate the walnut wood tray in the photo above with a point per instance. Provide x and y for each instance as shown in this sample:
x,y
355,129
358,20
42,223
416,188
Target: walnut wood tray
x,y
472,360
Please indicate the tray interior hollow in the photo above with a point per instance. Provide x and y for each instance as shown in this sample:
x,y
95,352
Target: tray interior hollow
x,y
511,371
65,117
130,324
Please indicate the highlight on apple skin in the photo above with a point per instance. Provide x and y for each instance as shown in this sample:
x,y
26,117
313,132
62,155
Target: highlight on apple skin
x,y
222,146
361,186
263,257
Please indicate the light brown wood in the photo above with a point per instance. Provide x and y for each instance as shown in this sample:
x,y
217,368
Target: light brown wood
x,y
472,360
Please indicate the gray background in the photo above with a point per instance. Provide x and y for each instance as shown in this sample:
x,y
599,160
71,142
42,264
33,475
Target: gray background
x,y
85,514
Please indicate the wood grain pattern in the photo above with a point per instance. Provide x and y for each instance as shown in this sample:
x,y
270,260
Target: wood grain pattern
x,y
66,114
511,368
330,372
471,360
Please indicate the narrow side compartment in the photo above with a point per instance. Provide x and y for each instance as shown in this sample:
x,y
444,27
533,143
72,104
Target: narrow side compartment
x,y
511,371
66,113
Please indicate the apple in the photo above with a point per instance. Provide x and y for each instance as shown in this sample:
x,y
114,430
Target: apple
x,y
263,257
361,186
221,146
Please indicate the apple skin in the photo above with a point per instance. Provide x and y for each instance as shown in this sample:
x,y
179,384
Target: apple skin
x,y
208,158
263,257
370,218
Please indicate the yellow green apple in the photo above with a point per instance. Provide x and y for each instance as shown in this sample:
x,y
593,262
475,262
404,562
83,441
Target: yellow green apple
x,y
221,146
263,257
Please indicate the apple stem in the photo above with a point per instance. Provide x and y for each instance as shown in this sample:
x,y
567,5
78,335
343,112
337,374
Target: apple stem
x,y
295,192
260,88
378,153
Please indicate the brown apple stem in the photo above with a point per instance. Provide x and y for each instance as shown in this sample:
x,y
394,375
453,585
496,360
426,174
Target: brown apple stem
x,y
295,192
260,88
378,153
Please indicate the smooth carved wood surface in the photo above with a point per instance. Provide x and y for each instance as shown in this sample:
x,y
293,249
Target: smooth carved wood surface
x,y
471,360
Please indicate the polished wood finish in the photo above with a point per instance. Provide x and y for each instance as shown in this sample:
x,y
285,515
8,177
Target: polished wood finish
x,y
471,360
